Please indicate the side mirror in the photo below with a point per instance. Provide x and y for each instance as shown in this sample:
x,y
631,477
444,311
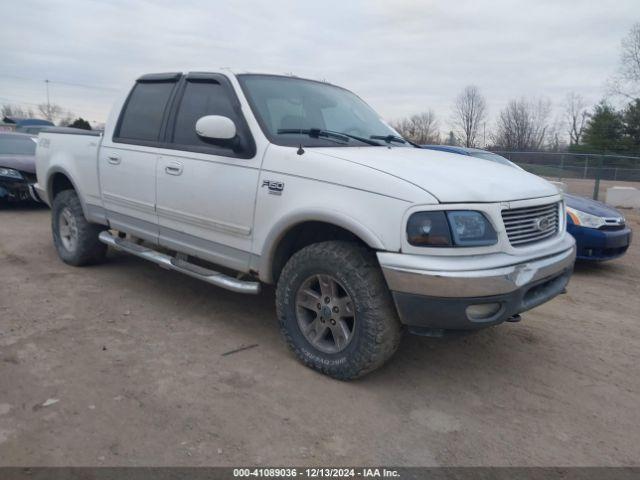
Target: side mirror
x,y
216,127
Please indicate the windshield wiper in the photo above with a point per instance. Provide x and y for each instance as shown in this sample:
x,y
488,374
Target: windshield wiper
x,y
329,134
394,138
362,139
389,138
314,133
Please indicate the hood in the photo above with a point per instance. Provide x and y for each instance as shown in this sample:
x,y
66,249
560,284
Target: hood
x,y
23,163
449,177
593,207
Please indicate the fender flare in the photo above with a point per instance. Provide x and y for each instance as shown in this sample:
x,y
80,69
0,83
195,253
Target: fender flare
x,y
286,223
49,186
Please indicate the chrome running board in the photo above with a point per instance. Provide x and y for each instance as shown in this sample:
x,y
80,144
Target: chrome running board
x,y
171,263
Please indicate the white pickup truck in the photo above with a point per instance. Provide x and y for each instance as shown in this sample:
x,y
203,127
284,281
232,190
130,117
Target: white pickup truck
x,y
243,179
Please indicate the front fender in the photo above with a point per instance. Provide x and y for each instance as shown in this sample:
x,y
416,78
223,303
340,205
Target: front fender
x,y
286,223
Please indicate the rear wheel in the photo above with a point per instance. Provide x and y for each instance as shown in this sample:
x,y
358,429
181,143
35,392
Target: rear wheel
x,y
335,310
75,239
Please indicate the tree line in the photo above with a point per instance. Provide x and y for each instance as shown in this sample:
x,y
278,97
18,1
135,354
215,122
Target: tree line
x,y
526,124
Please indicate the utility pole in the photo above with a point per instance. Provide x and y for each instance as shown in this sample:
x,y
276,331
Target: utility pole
x,y
46,82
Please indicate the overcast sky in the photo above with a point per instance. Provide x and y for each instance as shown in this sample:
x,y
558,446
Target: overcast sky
x,y
401,56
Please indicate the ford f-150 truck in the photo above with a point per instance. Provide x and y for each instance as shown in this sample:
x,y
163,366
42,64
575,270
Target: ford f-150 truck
x,y
245,179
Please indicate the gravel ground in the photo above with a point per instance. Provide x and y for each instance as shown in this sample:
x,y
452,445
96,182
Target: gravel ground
x,y
130,362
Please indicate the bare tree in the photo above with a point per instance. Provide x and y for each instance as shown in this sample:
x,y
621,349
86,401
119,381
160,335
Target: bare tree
x,y
8,110
554,138
50,111
66,119
523,125
627,81
576,115
421,128
469,111
451,139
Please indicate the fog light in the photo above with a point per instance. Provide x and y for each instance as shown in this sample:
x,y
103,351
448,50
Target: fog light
x,y
482,311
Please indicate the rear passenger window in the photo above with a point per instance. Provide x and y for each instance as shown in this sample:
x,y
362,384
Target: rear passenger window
x,y
142,117
200,99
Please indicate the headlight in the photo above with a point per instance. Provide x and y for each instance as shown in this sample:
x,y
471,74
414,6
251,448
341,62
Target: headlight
x,y
10,172
429,229
585,219
471,229
463,228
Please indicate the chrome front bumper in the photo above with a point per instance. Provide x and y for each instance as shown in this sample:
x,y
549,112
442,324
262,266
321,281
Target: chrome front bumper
x,y
435,291
476,276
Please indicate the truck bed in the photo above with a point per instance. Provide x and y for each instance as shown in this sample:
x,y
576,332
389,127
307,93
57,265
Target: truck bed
x,y
74,152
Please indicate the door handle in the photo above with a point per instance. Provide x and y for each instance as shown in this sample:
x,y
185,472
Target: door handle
x,y
114,160
174,168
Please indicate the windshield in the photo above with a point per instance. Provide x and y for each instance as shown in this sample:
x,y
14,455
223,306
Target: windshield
x,y
287,108
17,145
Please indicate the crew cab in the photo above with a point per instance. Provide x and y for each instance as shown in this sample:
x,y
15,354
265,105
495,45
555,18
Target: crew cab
x,y
248,179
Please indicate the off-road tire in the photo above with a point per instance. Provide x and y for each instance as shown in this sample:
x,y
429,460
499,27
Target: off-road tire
x,y
88,249
377,330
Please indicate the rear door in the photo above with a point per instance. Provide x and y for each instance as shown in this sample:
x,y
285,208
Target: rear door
x,y
127,161
207,189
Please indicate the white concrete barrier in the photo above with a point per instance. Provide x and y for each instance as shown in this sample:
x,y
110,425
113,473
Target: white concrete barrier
x,y
628,197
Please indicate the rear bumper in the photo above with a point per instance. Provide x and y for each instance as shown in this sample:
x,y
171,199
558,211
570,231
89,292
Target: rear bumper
x,y
430,296
599,245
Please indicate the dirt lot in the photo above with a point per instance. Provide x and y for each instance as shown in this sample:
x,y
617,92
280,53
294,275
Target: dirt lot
x,y
134,356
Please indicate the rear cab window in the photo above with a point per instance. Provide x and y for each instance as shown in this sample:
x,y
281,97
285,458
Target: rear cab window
x,y
143,114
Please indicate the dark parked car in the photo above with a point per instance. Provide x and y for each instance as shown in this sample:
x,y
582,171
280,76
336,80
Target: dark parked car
x,y
17,166
600,230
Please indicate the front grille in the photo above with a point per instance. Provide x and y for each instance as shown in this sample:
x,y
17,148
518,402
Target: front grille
x,y
529,225
612,227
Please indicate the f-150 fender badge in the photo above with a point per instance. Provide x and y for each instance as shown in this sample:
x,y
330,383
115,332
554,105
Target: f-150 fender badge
x,y
275,187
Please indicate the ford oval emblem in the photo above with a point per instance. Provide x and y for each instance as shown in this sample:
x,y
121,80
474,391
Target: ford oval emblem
x,y
543,223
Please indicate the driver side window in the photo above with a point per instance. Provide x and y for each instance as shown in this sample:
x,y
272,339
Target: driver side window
x,y
202,97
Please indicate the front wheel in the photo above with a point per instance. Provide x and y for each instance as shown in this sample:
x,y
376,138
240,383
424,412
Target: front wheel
x,y
335,310
75,239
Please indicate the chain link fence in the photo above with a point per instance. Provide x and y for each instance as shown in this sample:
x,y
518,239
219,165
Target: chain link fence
x,y
584,174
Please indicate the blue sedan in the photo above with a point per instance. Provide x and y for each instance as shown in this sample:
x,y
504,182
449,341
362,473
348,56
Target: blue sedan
x,y
600,231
